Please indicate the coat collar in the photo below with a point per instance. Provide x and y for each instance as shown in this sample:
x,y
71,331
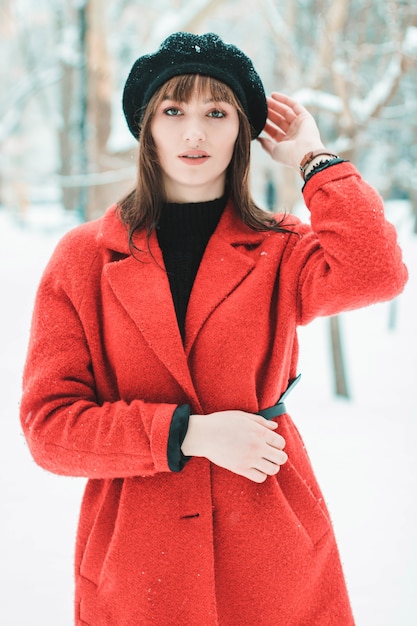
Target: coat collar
x,y
143,290
112,233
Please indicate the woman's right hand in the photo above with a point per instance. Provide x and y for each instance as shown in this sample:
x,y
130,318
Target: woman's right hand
x,y
243,443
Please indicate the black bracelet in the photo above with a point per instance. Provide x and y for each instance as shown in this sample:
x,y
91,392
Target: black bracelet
x,y
310,156
322,165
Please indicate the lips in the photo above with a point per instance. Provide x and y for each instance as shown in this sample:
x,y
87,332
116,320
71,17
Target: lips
x,y
194,157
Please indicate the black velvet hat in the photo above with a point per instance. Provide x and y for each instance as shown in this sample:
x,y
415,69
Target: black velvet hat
x,y
186,53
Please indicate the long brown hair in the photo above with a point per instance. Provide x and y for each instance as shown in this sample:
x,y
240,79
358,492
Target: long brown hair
x,y
141,208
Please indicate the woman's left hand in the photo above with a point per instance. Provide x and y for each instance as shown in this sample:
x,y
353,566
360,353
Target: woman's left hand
x,y
292,130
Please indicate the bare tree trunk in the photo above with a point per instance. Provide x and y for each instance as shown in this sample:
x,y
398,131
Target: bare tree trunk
x,y
336,16
99,90
339,364
66,143
106,189
65,139
83,122
413,200
393,314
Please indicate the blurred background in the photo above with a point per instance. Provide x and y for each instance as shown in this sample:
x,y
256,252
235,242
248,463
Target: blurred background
x,y
66,155
63,64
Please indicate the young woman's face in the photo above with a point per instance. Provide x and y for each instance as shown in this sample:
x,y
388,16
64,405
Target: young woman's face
x,y
194,142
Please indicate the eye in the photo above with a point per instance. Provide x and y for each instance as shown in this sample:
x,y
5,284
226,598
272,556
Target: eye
x,y
217,113
172,111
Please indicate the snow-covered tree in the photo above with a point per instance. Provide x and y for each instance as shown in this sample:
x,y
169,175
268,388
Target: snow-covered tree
x,y
64,62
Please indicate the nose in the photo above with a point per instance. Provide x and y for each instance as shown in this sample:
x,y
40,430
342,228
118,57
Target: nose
x,y
194,133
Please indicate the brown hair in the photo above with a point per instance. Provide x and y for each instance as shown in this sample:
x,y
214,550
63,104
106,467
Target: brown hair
x,y
142,206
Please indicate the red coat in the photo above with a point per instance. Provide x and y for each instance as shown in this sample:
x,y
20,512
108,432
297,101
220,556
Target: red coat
x,y
106,368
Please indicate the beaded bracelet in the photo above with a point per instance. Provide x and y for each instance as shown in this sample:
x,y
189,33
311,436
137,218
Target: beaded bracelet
x,y
310,156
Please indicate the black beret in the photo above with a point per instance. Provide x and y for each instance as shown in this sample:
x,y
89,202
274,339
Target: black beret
x,y
186,53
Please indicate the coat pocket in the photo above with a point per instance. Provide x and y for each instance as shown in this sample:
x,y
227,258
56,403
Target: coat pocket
x,y
309,510
89,610
101,534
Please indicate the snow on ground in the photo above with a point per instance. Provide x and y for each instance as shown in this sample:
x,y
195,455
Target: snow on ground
x,y
363,450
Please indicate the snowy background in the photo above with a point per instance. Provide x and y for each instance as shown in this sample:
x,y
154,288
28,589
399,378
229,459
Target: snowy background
x,y
63,65
363,450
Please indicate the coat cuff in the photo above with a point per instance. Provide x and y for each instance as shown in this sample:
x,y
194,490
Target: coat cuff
x,y
177,432
331,174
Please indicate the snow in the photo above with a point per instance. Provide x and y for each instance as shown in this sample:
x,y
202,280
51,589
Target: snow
x,y
410,41
380,93
363,450
323,100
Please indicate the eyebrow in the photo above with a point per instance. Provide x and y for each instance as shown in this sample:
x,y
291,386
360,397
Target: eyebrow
x,y
207,101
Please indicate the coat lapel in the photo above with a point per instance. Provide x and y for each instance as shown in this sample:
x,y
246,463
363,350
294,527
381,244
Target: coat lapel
x,y
142,288
223,268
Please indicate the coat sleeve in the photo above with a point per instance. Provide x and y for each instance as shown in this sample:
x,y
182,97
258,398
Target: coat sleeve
x,y
69,429
350,257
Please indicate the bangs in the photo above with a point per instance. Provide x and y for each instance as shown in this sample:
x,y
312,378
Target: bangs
x,y
183,88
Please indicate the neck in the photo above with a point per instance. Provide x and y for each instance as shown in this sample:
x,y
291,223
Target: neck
x,y
181,194
192,198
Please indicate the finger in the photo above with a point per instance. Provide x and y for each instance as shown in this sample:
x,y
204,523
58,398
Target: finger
x,y
270,424
275,440
281,111
255,475
277,457
267,467
284,99
277,134
263,422
278,122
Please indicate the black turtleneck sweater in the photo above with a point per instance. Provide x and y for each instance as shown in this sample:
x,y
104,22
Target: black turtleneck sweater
x,y
183,233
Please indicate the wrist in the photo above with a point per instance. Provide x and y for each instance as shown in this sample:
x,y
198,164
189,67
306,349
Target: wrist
x,y
307,148
313,158
192,440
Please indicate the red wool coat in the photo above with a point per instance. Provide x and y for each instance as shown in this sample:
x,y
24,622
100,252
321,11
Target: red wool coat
x,y
106,368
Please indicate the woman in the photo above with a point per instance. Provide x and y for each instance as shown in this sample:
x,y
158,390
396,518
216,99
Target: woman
x,y
162,332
